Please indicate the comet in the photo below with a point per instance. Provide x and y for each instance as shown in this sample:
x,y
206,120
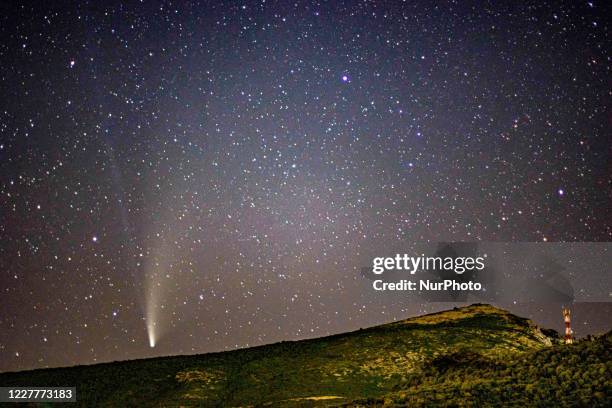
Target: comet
x,y
161,275
151,333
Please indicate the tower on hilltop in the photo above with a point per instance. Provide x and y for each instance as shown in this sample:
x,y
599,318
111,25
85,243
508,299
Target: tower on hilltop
x,y
568,328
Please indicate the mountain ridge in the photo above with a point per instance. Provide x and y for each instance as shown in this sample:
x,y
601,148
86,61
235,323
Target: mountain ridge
x,y
408,320
415,361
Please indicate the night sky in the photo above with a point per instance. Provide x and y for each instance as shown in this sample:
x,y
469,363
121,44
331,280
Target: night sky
x,y
225,169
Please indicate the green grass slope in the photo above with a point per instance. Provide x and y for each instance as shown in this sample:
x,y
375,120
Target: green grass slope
x,y
473,356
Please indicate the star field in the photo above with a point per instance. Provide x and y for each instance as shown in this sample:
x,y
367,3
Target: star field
x,y
246,159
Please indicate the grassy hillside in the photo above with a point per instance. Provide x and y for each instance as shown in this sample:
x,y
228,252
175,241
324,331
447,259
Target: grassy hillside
x,y
473,356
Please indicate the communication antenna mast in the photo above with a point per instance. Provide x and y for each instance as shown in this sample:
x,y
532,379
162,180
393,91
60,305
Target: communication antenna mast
x,y
568,328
